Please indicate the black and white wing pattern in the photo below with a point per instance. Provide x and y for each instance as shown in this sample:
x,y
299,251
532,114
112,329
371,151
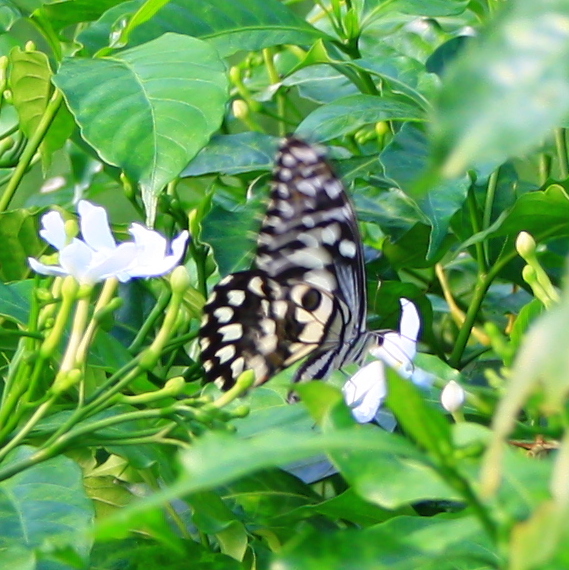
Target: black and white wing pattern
x,y
306,295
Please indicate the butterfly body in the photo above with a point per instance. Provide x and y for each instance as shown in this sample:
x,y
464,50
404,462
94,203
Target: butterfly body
x,y
306,294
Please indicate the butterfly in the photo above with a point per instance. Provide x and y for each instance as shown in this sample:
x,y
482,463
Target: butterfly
x,y
305,295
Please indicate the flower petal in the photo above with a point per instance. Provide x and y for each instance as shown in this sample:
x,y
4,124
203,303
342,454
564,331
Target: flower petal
x,y
75,259
53,229
150,261
95,226
113,263
365,391
39,267
399,348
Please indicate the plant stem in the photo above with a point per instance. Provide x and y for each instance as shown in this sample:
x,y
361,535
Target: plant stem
x,y
561,144
31,149
488,204
484,282
473,212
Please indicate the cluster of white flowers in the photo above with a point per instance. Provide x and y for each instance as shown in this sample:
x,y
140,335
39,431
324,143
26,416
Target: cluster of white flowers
x,y
97,256
366,390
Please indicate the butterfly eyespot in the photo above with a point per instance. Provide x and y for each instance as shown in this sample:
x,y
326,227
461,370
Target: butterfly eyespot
x,y
311,299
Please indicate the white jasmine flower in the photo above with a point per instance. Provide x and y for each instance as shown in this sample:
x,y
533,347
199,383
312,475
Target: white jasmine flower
x,y
97,256
366,390
452,397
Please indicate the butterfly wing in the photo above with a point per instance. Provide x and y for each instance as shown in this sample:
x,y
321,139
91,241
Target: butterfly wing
x,y
307,293
310,235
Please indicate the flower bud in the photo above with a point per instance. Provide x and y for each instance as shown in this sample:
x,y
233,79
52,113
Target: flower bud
x,y
525,245
240,109
180,280
452,397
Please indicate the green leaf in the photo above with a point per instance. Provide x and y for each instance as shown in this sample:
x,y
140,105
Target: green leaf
x,y
20,240
212,516
140,553
150,109
234,154
30,82
229,234
229,26
45,503
348,114
64,13
15,300
543,214
405,159
402,543
420,7
507,90
424,423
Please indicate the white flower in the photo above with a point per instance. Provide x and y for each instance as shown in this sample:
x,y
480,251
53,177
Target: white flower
x,y
452,397
97,256
365,391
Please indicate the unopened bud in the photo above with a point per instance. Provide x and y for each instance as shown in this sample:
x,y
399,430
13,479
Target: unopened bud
x,y
452,397
525,245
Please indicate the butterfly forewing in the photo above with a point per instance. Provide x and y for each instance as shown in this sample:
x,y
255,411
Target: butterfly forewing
x,y
306,295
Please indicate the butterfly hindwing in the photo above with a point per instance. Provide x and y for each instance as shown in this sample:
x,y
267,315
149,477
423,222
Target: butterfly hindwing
x,y
251,322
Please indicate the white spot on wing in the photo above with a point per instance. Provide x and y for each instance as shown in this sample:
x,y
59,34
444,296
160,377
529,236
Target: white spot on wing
x,y
223,314
347,248
236,298
256,286
226,353
231,332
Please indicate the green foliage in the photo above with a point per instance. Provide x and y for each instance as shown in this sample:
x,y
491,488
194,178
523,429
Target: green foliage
x,y
447,122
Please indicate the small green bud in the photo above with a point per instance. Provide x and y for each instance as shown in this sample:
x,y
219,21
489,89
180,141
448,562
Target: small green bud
x,y
525,245
65,380
71,228
180,280
70,287
381,128
240,109
8,96
174,386
30,46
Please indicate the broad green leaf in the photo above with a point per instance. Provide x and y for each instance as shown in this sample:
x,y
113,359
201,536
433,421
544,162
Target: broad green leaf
x,y
9,14
384,479
15,300
424,423
30,82
229,234
271,497
418,7
150,109
543,214
348,114
405,159
320,83
20,240
229,26
205,468
212,516
402,543
507,90
64,13
138,553
234,154
46,503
